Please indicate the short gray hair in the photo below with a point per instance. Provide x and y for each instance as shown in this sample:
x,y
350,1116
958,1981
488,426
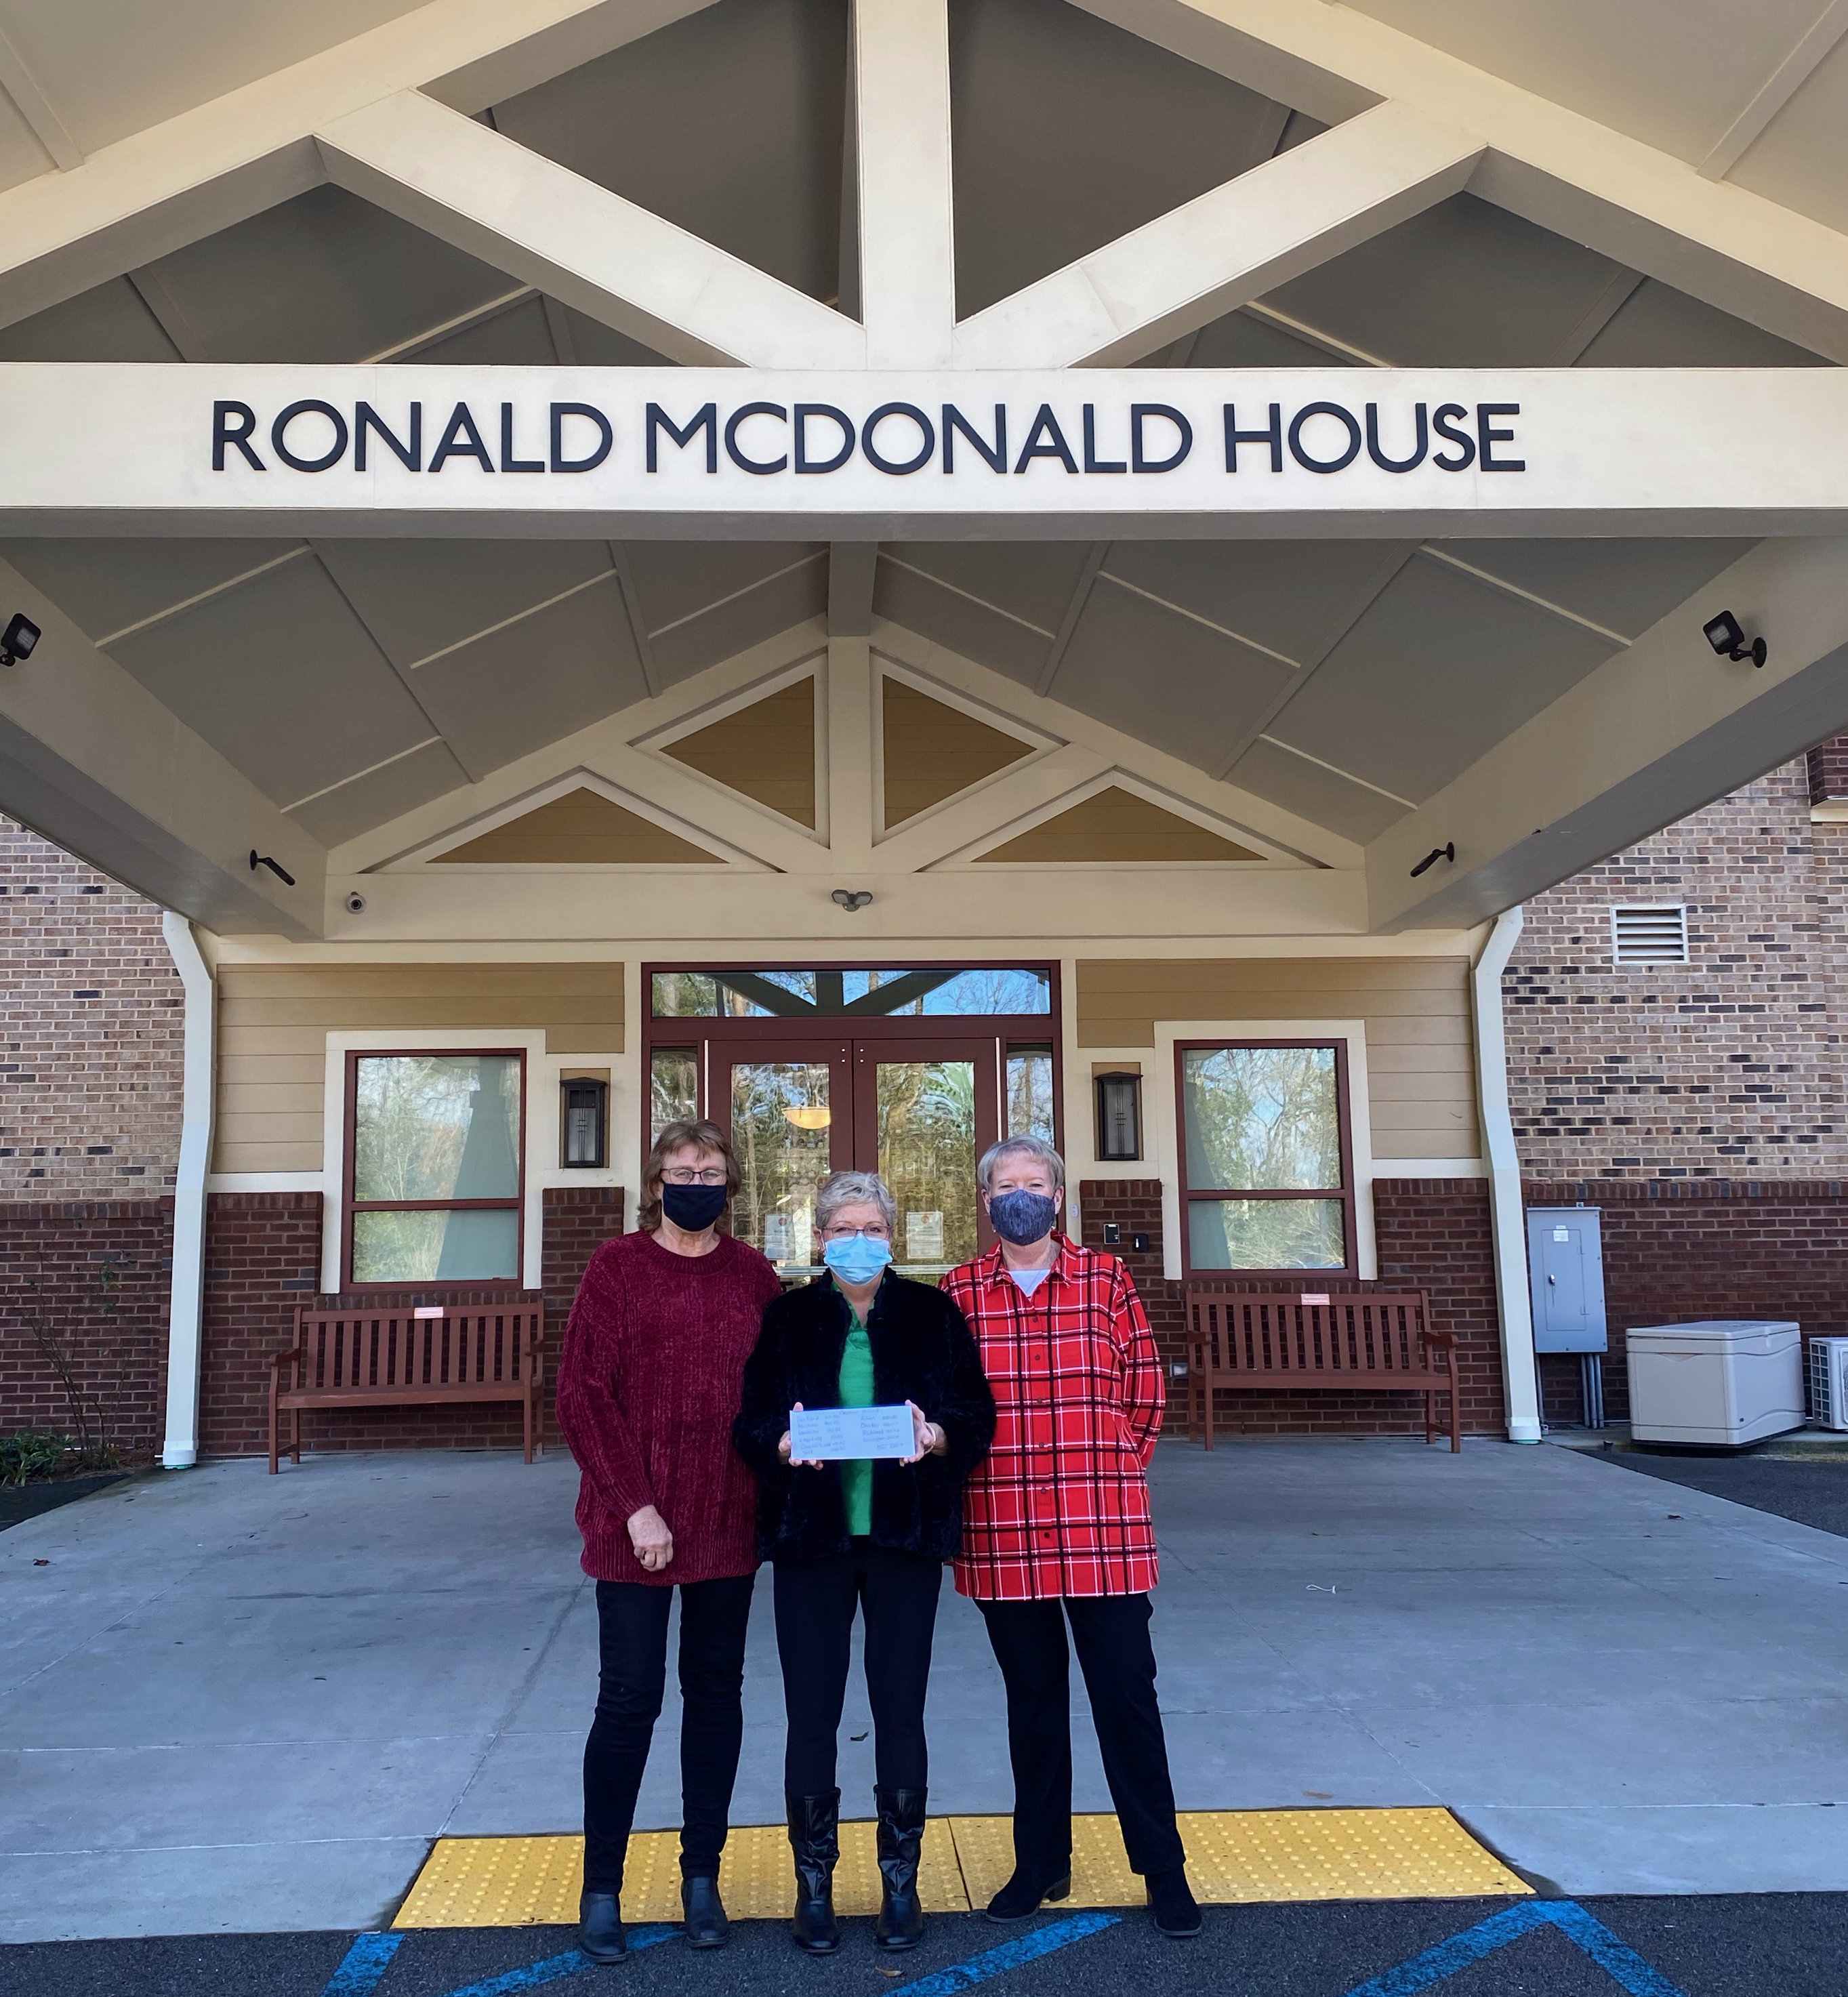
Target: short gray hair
x,y
852,1189
1022,1147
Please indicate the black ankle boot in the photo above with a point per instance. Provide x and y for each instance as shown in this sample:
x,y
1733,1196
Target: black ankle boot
x,y
600,1927
900,1924
706,1925
1021,1897
1172,1903
815,1838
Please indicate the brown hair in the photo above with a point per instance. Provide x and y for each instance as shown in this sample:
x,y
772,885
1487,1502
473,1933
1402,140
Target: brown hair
x,y
703,1137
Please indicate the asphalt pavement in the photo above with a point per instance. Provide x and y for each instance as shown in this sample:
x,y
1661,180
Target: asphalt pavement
x,y
1766,1945
1812,1490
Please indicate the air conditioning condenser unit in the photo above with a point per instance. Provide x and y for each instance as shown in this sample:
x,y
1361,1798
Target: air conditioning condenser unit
x,y
1826,1363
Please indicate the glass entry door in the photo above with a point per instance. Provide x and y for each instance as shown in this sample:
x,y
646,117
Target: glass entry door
x,y
922,1115
919,1113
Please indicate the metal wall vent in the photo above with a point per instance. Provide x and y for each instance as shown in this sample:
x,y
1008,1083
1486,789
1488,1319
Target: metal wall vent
x,y
1649,935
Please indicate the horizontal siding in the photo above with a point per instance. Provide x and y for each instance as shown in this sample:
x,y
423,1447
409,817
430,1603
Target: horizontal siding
x,y
1421,1073
273,1021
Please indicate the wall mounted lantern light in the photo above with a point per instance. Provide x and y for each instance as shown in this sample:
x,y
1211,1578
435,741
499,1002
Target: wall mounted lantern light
x,y
17,640
584,1122
1119,1115
1726,635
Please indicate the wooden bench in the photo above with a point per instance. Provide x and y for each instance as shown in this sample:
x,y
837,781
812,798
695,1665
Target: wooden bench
x,y
1341,1341
409,1356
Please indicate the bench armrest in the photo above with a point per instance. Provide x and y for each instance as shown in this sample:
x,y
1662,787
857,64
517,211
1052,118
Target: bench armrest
x,y
1443,1340
277,1359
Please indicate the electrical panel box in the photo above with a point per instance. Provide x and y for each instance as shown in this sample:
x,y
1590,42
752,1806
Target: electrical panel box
x,y
1565,1270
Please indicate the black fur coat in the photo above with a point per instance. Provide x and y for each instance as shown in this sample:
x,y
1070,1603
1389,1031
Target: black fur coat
x,y
922,1351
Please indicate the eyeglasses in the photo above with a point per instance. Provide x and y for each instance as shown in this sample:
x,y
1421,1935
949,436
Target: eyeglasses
x,y
878,1232
685,1175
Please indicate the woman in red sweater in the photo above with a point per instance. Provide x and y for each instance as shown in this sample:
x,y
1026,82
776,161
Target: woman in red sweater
x,y
648,1384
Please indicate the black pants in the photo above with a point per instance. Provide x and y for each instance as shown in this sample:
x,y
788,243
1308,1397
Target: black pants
x,y
1118,1660
815,1600
632,1627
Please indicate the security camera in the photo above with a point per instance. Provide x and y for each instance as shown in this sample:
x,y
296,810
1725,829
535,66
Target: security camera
x,y
355,904
1727,636
17,640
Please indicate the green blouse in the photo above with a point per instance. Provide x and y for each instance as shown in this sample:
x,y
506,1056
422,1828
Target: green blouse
x,y
857,1392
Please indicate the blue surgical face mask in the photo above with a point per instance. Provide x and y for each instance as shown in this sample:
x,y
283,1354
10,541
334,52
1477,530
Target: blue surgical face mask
x,y
1023,1217
856,1258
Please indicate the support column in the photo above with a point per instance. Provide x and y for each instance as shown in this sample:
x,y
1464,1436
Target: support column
x,y
186,1312
1508,1220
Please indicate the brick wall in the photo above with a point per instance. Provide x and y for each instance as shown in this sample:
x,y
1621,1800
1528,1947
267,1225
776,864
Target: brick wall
x,y
92,1021
83,1332
263,1260
1827,770
1727,1067
1673,1253
1431,1234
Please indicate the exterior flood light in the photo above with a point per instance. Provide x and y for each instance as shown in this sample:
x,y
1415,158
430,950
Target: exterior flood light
x,y
584,1122
1726,636
852,898
1437,852
17,640
1119,1115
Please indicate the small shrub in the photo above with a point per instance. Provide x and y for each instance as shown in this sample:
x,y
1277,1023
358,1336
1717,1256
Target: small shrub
x,y
30,1453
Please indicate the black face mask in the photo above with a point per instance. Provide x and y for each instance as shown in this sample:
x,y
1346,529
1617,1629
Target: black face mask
x,y
694,1208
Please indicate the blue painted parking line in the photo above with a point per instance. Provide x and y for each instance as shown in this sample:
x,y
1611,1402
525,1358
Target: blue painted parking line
x,y
363,1965
1010,1955
553,1966
1617,1959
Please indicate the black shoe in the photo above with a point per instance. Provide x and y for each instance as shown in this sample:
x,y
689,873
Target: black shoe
x,y
706,1925
815,1838
600,1928
1020,1899
1171,1901
900,1924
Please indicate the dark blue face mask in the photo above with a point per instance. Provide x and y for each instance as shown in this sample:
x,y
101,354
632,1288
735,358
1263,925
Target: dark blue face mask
x,y
694,1208
1023,1217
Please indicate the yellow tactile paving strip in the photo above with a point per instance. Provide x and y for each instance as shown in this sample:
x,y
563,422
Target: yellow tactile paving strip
x,y
1231,1855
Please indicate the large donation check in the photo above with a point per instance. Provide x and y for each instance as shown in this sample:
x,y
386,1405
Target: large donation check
x,y
816,1434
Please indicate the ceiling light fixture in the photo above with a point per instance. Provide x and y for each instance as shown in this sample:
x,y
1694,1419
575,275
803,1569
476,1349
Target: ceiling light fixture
x,y
852,898
1437,852
1726,635
17,640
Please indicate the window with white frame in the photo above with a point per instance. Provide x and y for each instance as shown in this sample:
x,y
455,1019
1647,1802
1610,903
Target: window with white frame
x,y
1649,932
436,1143
1266,1177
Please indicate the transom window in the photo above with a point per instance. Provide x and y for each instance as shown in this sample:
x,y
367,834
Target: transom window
x,y
1267,1168
936,991
434,1167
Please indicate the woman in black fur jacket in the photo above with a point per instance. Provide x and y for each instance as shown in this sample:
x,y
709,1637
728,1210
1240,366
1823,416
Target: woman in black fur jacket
x,y
870,1533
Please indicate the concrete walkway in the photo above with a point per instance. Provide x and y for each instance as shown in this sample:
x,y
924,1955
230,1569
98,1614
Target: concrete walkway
x,y
231,1702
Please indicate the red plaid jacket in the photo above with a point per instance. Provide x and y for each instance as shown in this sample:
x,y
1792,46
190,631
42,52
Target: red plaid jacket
x,y
1061,1505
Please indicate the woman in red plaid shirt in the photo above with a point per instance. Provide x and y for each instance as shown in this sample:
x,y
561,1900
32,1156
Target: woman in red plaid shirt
x,y
1056,1529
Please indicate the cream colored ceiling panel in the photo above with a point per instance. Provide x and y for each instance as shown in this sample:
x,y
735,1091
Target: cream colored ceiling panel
x,y
519,337
959,623
1281,595
108,70
1673,72
109,323
1243,340
1163,678
279,676
21,157
1625,585
1439,669
379,796
421,597
1658,326
1465,284
104,586
528,684
594,345
777,603
1031,580
324,276
1801,158
729,122
1322,795
1068,133
676,579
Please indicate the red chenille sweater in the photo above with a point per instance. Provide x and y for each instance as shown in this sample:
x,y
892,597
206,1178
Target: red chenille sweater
x,y
648,1384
